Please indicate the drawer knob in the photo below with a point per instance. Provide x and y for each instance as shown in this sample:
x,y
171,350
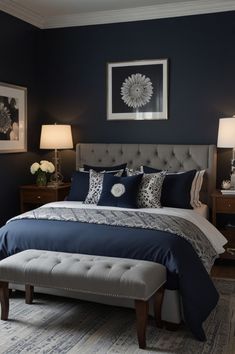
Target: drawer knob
x,y
39,197
229,205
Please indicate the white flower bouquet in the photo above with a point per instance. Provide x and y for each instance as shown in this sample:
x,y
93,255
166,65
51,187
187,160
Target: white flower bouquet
x,y
40,170
44,166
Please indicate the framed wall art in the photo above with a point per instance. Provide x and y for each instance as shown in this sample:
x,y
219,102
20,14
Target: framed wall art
x,y
137,90
13,118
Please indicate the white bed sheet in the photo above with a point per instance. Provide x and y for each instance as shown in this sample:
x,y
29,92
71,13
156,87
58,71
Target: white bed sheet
x,y
193,215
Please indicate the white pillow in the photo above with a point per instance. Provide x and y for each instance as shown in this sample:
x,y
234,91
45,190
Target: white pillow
x,y
195,189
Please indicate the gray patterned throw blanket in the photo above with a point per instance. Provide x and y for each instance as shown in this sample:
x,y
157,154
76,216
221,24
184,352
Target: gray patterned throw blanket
x,y
134,219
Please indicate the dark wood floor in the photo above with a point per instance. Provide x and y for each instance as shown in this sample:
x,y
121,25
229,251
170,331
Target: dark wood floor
x,y
224,269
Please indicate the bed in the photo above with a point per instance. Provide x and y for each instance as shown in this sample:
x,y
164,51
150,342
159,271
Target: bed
x,y
187,273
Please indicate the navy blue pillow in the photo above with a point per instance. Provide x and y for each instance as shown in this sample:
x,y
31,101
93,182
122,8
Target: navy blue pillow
x,y
120,191
79,187
148,169
176,190
104,168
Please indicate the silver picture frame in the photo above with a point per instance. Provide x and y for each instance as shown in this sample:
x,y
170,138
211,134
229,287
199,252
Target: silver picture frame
x,y
13,118
137,90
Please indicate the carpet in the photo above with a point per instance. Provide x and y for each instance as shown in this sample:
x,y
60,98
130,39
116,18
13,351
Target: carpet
x,y
59,325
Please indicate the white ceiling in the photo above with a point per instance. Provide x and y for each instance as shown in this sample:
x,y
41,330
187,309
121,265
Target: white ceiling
x,y
66,13
69,7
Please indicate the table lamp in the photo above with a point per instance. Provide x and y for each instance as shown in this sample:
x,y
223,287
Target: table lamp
x,y
56,136
226,139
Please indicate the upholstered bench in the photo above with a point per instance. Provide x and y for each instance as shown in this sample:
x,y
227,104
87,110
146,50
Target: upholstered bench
x,y
125,278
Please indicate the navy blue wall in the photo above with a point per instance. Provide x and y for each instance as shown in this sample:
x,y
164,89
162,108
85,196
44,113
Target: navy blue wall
x,y
18,61
201,55
65,72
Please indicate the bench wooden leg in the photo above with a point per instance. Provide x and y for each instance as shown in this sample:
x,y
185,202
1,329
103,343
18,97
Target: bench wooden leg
x,y
158,300
4,299
141,309
28,294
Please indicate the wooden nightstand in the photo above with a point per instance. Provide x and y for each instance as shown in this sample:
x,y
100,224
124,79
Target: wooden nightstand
x,y
224,204
32,196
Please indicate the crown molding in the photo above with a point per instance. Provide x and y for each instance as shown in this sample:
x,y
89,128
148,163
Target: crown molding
x,y
184,8
25,14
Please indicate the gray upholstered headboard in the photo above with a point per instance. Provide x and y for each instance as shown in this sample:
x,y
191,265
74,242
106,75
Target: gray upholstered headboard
x,y
163,156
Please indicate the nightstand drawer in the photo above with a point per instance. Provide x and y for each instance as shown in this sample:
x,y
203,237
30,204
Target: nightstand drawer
x,y
32,196
40,196
225,205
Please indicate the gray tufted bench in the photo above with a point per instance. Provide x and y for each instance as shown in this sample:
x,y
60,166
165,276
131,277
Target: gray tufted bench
x,y
125,278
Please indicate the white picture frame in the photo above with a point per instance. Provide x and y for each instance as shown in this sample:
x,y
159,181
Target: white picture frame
x,y
13,118
137,90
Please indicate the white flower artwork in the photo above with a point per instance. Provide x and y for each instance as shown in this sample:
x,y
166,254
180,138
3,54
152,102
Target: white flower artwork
x,y
137,90
5,119
118,190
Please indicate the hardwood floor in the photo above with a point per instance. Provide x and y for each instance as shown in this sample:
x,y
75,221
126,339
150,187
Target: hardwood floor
x,y
223,269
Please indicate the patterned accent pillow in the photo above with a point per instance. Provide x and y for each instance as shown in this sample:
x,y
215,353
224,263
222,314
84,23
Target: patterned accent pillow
x,y
134,172
149,194
95,186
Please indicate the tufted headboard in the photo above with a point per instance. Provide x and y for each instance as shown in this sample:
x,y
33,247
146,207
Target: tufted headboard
x,y
163,156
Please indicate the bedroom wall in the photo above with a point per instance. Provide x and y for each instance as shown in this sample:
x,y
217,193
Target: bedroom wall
x,y
201,55
65,73
18,65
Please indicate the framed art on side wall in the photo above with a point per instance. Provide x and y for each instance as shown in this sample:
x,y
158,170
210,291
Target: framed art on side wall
x,y
13,118
137,90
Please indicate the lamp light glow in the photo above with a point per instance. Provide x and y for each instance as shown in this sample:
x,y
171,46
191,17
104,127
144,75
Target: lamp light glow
x,y
226,139
226,133
56,137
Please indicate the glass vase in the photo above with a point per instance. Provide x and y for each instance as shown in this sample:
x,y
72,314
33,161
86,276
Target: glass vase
x,y
41,179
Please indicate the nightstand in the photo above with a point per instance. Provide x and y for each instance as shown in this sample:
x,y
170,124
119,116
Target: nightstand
x,y
224,204
32,196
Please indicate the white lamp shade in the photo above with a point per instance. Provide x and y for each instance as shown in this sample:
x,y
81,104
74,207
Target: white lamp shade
x,y
226,133
56,137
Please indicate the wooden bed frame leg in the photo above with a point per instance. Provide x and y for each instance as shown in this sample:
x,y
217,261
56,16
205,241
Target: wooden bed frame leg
x,y
4,299
158,300
29,294
141,309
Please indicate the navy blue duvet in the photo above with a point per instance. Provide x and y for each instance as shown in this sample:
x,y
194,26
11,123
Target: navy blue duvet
x,y
184,268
